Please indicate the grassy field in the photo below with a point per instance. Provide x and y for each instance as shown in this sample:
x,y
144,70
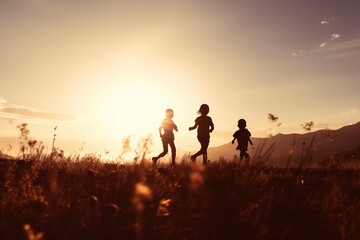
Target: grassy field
x,y
87,199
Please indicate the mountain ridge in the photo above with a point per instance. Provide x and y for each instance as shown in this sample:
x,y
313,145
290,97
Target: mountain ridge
x,y
320,144
345,140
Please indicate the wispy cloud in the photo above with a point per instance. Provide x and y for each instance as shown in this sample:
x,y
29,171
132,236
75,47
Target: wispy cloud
x,y
335,36
11,111
324,22
323,44
342,49
327,21
298,52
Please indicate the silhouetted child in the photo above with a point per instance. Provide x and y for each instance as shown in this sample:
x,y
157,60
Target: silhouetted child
x,y
204,126
167,137
243,137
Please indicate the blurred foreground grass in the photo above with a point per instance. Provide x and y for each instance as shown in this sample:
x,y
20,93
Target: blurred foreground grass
x,y
88,199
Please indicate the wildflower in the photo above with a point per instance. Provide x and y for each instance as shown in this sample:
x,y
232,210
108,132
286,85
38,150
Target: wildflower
x,y
143,191
143,149
163,209
307,126
125,147
91,173
272,118
31,235
142,194
24,131
93,201
32,143
196,180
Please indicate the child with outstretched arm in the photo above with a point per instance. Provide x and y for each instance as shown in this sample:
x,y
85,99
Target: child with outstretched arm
x,y
167,137
205,126
243,137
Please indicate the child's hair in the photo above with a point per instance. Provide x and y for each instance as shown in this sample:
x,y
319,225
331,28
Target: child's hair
x,y
242,123
169,112
204,109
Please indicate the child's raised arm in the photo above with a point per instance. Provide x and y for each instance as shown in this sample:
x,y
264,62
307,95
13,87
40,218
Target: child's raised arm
x,y
193,127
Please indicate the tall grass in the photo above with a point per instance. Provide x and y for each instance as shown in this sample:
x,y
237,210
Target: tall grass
x,y
53,196
69,198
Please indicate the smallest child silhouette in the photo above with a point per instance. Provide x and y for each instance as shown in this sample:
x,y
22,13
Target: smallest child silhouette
x,y
243,137
167,137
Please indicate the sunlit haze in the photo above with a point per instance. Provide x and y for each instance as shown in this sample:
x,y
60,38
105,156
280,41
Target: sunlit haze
x,y
104,70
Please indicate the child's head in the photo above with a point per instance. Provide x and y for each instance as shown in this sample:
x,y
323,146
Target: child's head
x,y
242,123
204,109
169,113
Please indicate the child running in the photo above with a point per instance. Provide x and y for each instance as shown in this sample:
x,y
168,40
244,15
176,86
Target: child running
x,y
243,137
167,137
205,126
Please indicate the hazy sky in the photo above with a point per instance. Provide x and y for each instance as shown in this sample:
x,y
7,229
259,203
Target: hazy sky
x,y
103,70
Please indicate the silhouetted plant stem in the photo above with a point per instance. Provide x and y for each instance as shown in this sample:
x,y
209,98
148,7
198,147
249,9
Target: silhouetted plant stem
x,y
53,144
302,154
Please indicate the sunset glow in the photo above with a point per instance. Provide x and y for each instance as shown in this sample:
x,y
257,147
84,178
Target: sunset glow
x,y
102,71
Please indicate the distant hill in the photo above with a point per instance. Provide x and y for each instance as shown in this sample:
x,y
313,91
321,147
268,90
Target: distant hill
x,y
345,140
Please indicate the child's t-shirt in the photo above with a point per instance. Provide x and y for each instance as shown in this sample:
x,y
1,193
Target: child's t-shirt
x,y
242,136
168,125
204,123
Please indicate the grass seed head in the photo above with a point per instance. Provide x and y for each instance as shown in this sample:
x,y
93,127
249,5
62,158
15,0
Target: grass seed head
x,y
93,201
109,211
163,209
307,126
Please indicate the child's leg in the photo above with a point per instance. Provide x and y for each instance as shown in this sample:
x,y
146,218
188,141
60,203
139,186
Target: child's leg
x,y
165,151
193,157
165,147
204,147
247,159
173,151
204,141
244,154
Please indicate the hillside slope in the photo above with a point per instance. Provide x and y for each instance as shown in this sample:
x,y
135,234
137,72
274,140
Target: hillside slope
x,y
321,144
